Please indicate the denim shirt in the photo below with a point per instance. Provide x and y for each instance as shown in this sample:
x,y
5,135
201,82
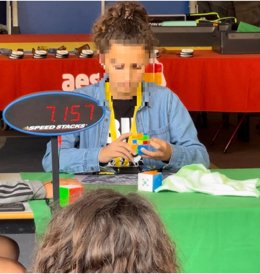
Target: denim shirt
x,y
161,115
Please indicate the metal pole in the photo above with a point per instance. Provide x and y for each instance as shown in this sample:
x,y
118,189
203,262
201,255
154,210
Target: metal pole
x,y
193,7
55,172
15,23
9,16
103,6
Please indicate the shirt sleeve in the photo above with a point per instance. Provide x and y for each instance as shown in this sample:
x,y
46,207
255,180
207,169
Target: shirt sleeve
x,y
20,191
71,158
186,147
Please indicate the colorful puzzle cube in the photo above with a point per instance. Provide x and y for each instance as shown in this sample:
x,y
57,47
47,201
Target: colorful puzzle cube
x,y
70,193
149,180
139,141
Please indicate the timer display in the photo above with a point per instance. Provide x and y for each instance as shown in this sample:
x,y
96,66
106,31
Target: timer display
x,y
71,113
53,113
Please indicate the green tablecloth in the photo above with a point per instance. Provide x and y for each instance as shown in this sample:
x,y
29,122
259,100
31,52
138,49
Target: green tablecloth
x,y
212,233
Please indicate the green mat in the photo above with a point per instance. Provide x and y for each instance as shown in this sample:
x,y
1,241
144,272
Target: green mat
x,y
214,234
245,27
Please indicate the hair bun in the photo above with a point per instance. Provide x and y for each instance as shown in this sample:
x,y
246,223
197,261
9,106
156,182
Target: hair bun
x,y
123,21
128,13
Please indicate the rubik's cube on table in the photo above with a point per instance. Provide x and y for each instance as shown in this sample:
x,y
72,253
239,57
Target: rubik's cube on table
x,y
70,194
139,141
149,180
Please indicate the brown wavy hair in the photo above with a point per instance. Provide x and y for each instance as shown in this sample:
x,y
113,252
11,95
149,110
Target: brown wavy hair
x,y
106,231
123,22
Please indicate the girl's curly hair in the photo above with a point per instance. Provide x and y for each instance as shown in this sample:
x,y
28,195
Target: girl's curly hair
x,y
106,231
124,22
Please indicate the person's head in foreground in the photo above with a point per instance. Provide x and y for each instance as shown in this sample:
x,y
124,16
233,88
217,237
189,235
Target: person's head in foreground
x,y
9,248
9,255
125,40
11,266
106,231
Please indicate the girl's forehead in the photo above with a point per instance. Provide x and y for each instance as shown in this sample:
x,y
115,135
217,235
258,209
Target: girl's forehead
x,y
117,46
118,51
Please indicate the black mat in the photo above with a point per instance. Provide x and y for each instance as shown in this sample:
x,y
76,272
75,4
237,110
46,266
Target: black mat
x,y
22,154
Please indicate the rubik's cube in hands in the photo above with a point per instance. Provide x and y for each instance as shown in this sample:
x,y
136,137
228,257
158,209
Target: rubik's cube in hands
x,y
139,141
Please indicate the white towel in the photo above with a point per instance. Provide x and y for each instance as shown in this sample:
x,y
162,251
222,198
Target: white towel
x,y
196,178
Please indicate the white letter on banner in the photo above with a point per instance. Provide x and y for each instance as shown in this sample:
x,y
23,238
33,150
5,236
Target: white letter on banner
x,y
94,78
81,80
68,84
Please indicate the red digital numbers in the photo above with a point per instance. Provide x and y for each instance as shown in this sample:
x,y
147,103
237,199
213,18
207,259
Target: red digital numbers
x,y
53,109
91,108
72,113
